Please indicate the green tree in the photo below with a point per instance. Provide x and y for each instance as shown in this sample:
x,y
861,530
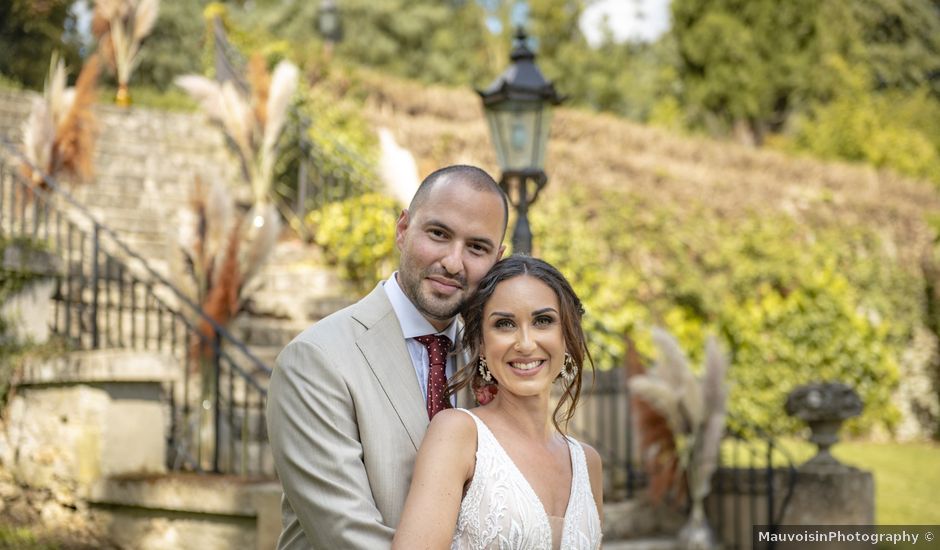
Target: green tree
x,y
746,64
175,45
430,40
30,30
902,42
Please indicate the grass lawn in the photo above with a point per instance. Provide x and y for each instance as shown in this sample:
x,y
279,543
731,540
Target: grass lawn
x,y
907,477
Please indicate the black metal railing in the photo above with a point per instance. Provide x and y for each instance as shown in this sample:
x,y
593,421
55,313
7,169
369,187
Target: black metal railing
x,y
109,297
327,170
753,484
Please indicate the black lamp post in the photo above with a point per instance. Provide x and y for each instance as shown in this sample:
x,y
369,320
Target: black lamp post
x,y
329,23
518,109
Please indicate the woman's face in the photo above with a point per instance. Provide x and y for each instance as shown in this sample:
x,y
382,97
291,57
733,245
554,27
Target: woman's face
x,y
523,342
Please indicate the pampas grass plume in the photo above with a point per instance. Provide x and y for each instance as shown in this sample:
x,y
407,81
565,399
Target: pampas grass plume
x,y
262,226
145,17
259,79
75,135
660,396
283,86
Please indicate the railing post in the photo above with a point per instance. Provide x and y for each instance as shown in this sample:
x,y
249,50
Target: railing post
x,y
3,189
770,485
95,247
300,200
216,405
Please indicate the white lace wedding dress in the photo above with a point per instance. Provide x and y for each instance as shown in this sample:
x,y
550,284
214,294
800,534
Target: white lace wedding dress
x,y
502,511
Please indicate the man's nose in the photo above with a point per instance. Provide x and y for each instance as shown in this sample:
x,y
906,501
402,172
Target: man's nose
x,y
453,260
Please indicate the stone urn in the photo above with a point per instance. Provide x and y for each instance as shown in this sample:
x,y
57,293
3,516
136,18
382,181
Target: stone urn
x,y
824,406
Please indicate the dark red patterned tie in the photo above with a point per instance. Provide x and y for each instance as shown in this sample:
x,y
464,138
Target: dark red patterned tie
x,y
438,346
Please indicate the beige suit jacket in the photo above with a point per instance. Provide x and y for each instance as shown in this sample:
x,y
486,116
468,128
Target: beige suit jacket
x,y
345,419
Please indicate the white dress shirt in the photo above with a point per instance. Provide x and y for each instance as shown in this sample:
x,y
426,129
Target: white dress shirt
x,y
413,324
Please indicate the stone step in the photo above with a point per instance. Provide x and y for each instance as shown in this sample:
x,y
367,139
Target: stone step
x,y
266,354
636,518
187,511
262,332
652,543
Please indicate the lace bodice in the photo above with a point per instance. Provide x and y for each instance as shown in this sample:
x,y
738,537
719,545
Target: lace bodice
x,y
502,511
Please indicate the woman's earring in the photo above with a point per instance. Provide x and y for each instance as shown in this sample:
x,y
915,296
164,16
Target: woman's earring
x,y
569,369
484,370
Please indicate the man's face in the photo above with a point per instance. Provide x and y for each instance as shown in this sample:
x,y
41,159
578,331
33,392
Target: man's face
x,y
447,246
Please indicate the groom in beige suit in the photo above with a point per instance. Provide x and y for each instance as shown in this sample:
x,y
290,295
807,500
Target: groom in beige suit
x,y
351,396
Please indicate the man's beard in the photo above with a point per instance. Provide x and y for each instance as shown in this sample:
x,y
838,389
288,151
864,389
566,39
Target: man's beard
x,y
427,304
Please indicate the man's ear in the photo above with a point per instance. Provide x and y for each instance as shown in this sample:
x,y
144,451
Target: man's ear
x,y
499,254
400,227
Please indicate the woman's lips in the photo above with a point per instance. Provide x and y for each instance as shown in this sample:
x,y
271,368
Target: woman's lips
x,y
525,371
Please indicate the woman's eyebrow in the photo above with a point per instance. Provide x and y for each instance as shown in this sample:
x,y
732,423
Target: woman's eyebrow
x,y
501,314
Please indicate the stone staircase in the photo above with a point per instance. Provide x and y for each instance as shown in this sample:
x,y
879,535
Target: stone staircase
x,y
145,164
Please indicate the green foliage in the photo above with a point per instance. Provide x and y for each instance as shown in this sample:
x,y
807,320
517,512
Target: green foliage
x,y
22,538
793,304
840,70
342,150
12,282
754,62
170,99
428,40
882,130
339,131
7,83
173,47
30,30
358,235
901,42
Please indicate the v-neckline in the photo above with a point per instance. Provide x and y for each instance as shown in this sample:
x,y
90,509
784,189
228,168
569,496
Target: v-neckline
x,y
528,485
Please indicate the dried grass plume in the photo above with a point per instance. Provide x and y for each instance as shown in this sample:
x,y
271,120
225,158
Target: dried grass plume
x,y
60,132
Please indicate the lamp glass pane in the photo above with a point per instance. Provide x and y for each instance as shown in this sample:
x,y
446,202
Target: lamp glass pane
x,y
517,134
328,23
493,118
541,144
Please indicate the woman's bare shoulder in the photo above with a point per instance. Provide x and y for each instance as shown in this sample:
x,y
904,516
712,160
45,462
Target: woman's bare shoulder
x,y
451,425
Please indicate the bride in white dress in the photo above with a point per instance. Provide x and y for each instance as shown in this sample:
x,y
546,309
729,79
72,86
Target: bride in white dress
x,y
505,475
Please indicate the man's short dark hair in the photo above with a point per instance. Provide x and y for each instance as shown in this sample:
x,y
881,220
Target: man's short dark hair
x,y
476,178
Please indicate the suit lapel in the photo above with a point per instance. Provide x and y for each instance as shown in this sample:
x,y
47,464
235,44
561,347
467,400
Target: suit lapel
x,y
383,346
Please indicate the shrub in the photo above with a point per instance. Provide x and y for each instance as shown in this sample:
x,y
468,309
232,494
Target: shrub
x,y
358,235
793,303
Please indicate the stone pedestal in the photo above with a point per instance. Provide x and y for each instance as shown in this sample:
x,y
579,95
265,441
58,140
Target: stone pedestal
x,y
79,418
26,314
832,498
